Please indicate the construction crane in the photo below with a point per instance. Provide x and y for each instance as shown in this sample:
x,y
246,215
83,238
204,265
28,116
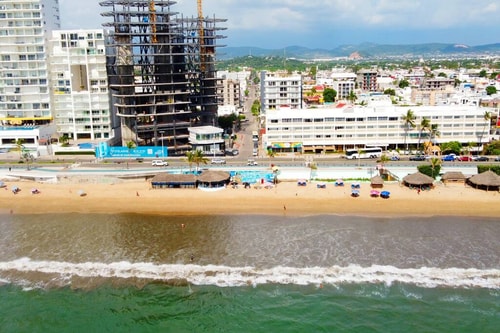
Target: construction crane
x,y
152,20
201,35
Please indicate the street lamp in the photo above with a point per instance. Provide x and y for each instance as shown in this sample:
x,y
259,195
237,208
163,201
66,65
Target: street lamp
x,y
161,132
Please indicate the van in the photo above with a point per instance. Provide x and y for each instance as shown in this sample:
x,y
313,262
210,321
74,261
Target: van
x,y
255,153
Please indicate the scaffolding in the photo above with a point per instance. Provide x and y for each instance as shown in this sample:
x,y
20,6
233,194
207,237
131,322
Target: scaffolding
x,y
161,71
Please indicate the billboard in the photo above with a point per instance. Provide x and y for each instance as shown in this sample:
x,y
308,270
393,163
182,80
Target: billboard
x,y
103,150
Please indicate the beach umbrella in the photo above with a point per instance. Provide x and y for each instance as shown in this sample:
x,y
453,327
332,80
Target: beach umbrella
x,y
385,194
355,193
374,193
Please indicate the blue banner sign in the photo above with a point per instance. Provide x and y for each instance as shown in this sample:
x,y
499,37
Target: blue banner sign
x,y
103,150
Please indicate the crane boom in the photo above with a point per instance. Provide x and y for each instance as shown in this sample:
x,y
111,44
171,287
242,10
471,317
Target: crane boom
x,y
152,20
201,35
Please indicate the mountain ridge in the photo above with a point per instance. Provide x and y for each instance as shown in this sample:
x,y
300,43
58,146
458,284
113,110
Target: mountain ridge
x,y
365,50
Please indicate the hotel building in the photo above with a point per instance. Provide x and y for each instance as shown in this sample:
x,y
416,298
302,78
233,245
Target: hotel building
x,y
323,130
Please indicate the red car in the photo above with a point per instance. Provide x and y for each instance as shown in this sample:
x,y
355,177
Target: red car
x,y
465,158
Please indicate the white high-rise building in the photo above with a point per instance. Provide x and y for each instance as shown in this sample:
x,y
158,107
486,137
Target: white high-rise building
x,y
24,77
280,90
79,83
24,84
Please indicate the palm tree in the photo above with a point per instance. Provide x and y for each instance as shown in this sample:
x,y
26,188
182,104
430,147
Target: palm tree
x,y
352,96
435,163
383,159
20,147
64,139
487,119
360,152
190,156
425,125
199,158
130,146
408,122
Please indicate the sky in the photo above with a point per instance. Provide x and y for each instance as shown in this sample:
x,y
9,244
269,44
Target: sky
x,y
328,24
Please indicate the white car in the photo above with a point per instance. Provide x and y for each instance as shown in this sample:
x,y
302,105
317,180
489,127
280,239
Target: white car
x,y
252,163
218,161
159,163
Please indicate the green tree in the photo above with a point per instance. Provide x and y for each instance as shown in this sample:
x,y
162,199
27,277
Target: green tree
x,y
130,146
64,140
390,92
492,148
425,125
487,122
196,157
408,123
403,84
491,90
483,73
435,166
451,147
352,97
20,147
434,132
329,95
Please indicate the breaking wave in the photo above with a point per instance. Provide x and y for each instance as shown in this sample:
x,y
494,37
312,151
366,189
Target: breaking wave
x,y
223,276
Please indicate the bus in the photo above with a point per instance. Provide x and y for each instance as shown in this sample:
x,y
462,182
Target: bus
x,y
368,152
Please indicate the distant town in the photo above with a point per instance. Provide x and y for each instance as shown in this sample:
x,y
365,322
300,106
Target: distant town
x,y
157,84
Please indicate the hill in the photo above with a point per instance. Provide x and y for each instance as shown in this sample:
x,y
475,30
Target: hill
x,y
365,50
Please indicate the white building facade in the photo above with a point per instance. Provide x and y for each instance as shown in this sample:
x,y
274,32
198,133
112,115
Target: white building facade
x,y
81,101
280,90
323,130
25,99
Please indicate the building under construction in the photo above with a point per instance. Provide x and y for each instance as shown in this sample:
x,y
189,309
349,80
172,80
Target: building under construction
x,y
161,71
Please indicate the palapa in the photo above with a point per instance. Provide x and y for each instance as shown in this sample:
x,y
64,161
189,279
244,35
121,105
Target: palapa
x,y
453,176
418,179
487,179
377,182
214,176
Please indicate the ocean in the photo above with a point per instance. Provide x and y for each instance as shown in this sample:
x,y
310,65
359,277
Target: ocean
x,y
329,273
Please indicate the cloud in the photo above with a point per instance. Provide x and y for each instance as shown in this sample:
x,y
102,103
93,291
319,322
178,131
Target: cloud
x,y
258,22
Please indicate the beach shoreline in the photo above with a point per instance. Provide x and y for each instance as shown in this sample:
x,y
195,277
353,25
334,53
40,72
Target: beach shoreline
x,y
287,198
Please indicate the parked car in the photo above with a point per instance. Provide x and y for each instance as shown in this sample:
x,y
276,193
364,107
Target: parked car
x,y
159,163
417,158
464,158
449,158
481,159
497,159
218,161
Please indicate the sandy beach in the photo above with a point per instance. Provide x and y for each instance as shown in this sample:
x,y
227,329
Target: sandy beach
x,y
287,198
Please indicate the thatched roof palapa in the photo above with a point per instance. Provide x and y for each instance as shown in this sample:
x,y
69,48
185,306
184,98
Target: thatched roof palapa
x,y
418,179
377,181
174,178
487,179
453,176
210,176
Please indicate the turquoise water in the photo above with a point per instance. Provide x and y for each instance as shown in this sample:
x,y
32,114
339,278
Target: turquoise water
x,y
141,273
267,308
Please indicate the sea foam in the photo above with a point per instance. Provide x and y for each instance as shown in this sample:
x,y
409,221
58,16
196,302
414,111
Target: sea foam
x,y
224,276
